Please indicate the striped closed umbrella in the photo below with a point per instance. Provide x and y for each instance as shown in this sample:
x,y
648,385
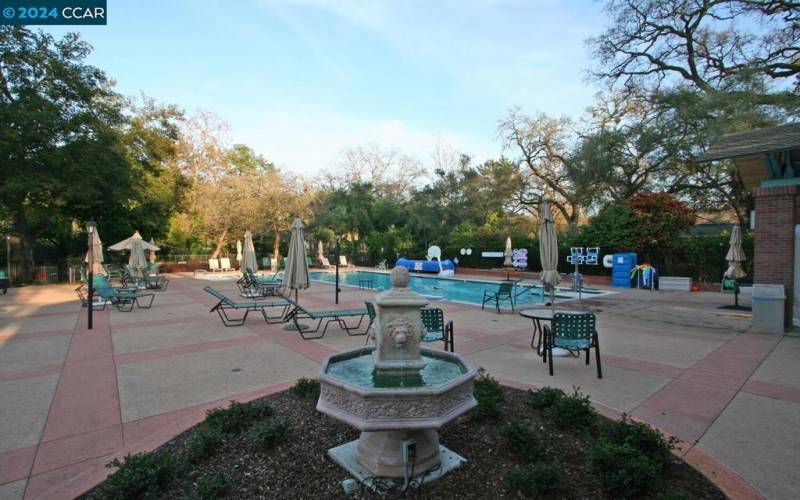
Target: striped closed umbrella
x,y
249,260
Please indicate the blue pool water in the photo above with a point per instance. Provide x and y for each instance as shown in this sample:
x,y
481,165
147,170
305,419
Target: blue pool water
x,y
456,290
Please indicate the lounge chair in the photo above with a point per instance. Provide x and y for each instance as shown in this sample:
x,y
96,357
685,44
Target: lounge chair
x,y
343,261
285,263
324,263
159,283
504,292
339,316
3,282
213,265
381,265
226,304
225,264
252,286
122,298
574,332
436,330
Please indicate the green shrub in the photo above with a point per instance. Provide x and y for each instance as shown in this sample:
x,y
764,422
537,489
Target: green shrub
x,y
268,433
237,416
138,476
306,388
642,437
544,397
536,480
213,485
490,395
524,440
573,411
623,471
675,495
203,444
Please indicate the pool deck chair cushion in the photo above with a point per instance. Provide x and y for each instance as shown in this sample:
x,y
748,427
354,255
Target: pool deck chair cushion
x,y
227,304
573,332
504,292
298,313
436,330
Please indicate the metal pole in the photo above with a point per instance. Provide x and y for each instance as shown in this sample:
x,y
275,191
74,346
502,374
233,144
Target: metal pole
x,y
91,279
8,256
338,249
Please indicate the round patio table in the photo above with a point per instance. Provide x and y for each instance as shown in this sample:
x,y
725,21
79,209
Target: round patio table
x,y
539,314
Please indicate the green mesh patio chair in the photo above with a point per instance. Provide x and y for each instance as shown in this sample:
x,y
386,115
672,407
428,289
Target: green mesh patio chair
x,y
573,332
504,292
436,330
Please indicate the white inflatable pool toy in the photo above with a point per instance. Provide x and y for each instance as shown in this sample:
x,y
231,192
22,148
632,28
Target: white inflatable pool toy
x,y
608,261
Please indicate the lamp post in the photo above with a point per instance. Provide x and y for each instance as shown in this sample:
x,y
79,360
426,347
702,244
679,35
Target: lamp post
x,y
8,256
90,226
338,250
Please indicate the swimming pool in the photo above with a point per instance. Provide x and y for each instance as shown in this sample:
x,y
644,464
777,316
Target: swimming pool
x,y
452,289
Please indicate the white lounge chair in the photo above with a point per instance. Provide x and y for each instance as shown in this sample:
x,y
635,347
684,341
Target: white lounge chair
x,y
324,262
213,265
225,264
381,265
343,261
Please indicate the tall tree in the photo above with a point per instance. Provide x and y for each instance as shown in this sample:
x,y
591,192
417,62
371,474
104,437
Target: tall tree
x,y
543,145
62,159
713,45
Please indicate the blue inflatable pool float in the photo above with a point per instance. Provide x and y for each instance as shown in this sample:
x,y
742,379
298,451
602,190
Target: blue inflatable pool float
x,y
425,266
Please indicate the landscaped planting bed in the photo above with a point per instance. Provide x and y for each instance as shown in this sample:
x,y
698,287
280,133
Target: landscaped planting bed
x,y
518,444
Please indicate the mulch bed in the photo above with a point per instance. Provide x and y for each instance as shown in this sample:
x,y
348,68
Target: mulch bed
x,y
300,468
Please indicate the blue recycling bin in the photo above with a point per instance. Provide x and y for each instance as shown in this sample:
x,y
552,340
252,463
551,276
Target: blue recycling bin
x,y
621,269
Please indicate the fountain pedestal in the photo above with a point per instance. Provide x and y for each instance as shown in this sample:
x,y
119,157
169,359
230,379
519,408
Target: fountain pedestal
x,y
401,398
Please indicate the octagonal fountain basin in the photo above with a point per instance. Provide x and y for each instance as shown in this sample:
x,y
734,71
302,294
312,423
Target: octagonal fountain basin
x,y
391,410
353,392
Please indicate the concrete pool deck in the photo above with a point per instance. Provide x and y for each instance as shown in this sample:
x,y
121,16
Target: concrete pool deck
x,y
73,399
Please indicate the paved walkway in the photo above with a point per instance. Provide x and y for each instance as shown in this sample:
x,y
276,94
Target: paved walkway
x,y
72,399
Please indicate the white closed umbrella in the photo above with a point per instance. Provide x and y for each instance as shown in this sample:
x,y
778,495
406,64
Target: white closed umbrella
x,y
152,251
508,254
95,250
320,251
548,251
735,256
249,260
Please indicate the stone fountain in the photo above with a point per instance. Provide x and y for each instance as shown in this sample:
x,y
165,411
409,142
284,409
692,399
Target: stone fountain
x,y
396,393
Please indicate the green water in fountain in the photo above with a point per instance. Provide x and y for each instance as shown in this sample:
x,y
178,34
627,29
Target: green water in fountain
x,y
360,371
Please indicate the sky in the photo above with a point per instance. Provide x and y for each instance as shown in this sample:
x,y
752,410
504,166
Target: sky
x,y
301,80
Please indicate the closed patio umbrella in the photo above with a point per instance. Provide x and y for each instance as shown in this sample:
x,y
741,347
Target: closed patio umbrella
x,y
508,254
249,260
735,258
296,273
295,276
320,251
96,249
152,251
239,252
548,251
